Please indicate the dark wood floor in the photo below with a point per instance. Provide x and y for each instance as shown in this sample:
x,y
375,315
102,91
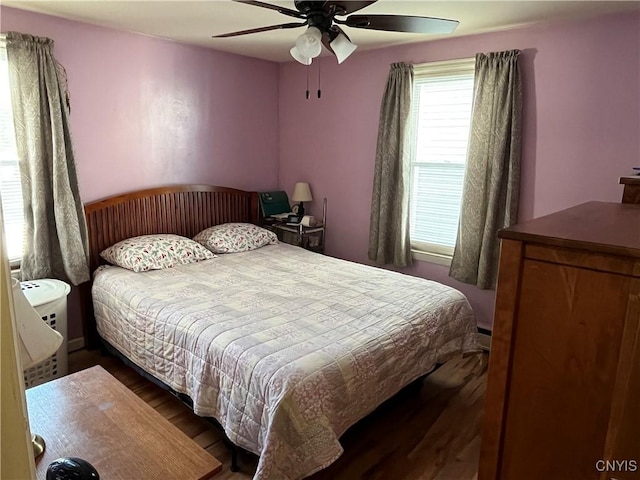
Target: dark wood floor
x,y
429,432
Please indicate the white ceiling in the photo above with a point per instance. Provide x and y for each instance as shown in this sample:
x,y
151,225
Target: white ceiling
x,y
194,22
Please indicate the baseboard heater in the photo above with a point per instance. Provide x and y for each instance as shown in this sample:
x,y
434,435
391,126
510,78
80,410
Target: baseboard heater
x,y
484,337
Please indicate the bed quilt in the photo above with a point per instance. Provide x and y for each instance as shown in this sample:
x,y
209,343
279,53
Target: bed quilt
x,y
285,348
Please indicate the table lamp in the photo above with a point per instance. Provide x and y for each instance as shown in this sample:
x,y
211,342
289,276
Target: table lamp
x,y
36,342
301,193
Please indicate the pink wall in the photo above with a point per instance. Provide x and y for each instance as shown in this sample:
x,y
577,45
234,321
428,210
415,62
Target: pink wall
x,y
147,112
581,125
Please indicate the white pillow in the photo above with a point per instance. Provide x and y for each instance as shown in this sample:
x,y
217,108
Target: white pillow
x,y
155,252
235,237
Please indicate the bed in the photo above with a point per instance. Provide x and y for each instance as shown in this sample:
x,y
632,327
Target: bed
x,y
285,348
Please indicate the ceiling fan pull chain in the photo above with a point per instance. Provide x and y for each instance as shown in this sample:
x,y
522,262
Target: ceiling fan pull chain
x,y
319,91
307,94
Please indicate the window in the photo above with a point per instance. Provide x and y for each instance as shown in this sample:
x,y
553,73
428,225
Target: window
x,y
441,115
10,186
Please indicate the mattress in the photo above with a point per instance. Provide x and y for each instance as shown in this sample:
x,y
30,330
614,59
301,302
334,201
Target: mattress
x,y
285,348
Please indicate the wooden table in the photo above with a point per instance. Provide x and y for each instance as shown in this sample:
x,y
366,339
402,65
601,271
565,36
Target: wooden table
x,y
91,415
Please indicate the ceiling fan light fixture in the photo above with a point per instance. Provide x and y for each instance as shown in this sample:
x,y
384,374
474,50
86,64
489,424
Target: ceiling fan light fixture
x,y
323,26
342,47
309,44
295,53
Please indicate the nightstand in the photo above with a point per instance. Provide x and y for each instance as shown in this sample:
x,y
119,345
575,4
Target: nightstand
x,y
631,193
310,238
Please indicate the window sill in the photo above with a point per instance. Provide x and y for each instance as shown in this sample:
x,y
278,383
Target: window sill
x,y
436,258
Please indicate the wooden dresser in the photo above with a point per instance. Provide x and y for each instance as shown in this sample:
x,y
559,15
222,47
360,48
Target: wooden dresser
x,y
563,393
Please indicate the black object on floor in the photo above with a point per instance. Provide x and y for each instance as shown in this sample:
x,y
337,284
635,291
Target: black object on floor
x,y
71,468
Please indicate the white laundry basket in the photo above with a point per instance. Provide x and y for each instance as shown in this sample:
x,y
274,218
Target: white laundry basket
x,y
49,298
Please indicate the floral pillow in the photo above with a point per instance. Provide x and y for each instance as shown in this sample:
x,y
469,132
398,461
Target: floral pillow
x,y
235,237
155,252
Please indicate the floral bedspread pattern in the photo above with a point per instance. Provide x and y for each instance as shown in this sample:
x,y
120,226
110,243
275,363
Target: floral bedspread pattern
x,y
285,347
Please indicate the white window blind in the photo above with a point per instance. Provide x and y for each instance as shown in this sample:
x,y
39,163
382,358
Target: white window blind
x,y
10,186
441,114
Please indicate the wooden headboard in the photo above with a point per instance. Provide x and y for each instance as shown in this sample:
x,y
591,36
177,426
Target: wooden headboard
x,y
181,209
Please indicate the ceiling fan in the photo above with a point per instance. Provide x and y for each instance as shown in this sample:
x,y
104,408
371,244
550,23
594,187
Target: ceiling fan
x,y
323,25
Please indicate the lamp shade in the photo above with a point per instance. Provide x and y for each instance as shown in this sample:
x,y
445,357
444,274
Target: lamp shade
x,y
37,341
301,192
299,57
342,47
309,44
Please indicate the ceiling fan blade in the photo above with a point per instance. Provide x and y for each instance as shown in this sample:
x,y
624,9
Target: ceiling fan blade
x,y
283,10
261,29
346,7
402,23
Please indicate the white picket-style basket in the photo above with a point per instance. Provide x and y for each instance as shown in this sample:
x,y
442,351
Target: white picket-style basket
x,y
49,298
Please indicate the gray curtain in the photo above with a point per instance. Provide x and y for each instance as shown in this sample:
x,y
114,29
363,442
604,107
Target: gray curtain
x,y
389,240
492,180
55,230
